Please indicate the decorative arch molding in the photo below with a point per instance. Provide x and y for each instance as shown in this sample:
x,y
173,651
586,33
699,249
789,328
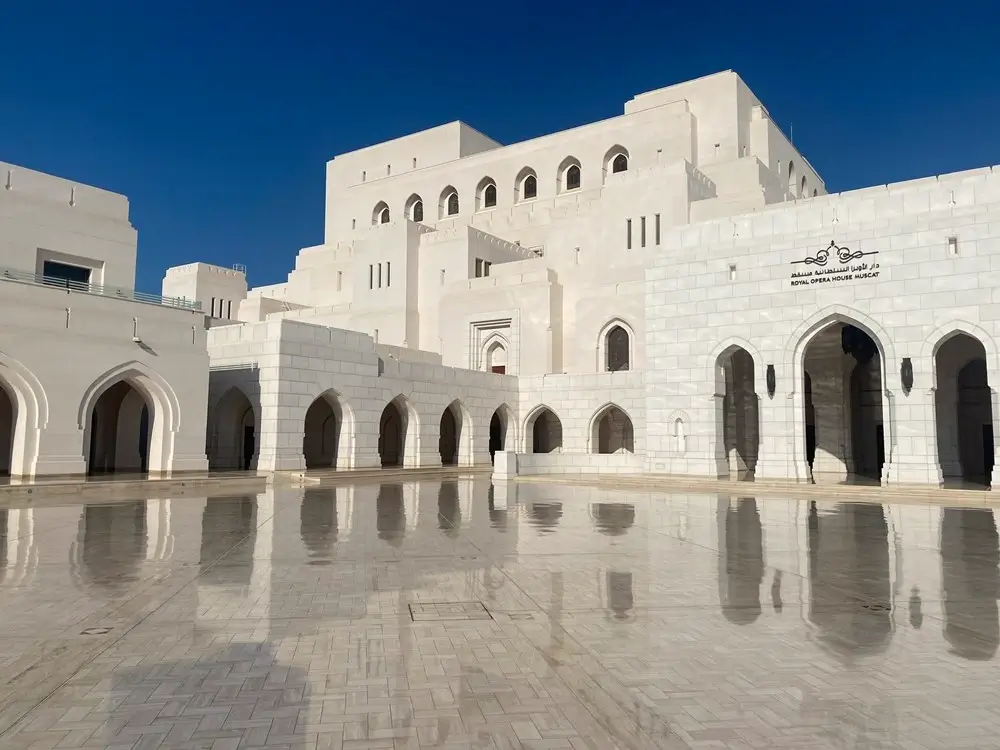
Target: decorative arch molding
x,y
466,432
527,427
32,414
807,330
602,342
342,410
611,155
678,441
411,204
147,381
598,415
411,426
562,173
165,417
488,343
728,346
486,199
377,213
941,334
519,185
225,423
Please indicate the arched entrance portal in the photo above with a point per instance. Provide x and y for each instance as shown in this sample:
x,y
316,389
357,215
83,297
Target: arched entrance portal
x,y
8,423
499,424
545,430
964,410
448,440
392,428
612,432
738,421
843,405
324,438
235,433
119,431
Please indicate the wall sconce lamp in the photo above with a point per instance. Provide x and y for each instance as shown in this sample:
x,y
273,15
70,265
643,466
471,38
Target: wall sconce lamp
x,y
906,375
771,381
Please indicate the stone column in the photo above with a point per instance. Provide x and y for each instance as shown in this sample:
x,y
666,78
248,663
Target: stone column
x,y
914,457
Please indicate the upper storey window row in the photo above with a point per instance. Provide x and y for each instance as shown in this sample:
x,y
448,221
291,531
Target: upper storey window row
x,y
569,177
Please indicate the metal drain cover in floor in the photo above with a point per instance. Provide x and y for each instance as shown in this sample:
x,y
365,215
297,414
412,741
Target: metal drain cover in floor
x,y
95,631
440,611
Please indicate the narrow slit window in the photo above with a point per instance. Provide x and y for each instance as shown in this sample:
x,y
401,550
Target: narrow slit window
x,y
388,271
656,230
486,267
340,280
229,309
213,307
628,234
642,231
379,275
371,277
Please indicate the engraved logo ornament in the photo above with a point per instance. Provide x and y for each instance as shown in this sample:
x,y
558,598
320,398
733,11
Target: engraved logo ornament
x,y
841,266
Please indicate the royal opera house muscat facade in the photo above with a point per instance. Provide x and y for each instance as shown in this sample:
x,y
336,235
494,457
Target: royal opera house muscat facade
x,y
669,291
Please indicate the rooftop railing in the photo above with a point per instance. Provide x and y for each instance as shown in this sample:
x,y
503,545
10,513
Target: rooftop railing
x,y
115,292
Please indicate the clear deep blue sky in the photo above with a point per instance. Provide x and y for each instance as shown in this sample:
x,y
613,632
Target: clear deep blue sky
x,y
216,118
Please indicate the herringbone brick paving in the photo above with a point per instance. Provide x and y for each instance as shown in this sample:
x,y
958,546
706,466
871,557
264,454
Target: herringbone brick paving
x,y
396,617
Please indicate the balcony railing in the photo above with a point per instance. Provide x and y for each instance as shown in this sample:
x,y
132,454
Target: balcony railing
x,y
26,277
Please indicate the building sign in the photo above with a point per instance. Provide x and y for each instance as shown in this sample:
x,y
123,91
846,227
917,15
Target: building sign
x,y
835,264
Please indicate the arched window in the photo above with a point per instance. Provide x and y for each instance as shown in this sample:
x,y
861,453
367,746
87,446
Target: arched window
x,y
526,185
568,175
792,184
619,164
616,349
486,194
380,215
573,178
415,208
530,189
804,192
448,204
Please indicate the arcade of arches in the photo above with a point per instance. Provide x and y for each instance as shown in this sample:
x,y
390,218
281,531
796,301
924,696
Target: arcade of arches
x,y
233,433
323,432
546,432
392,428
612,432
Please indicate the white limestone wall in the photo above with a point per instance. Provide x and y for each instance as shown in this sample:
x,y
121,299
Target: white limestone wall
x,y
728,283
219,290
284,366
50,218
59,351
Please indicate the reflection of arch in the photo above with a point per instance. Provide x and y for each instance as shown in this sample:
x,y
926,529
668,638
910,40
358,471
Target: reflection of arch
x,y
615,160
486,194
448,203
318,522
30,414
328,433
501,430
525,185
449,508
542,431
164,410
615,346
569,176
380,214
741,559
414,208
850,589
112,543
970,582
399,434
390,514
794,366
228,530
611,431
613,519
234,442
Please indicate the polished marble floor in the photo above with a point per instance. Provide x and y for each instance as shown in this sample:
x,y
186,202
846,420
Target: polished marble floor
x,y
454,614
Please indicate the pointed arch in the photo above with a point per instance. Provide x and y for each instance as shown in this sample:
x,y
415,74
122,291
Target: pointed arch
x,y
503,429
543,431
952,328
526,185
569,175
792,185
164,408
486,194
611,430
727,347
380,214
448,205
605,361
455,436
616,160
31,414
414,208
234,430
495,353
328,432
399,434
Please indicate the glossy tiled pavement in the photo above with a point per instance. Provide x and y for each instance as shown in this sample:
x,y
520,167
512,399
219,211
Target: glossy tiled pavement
x,y
457,615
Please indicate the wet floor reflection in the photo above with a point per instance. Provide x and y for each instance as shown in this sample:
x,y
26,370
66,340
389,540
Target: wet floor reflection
x,y
449,511
318,521
621,597
741,559
971,581
112,543
850,586
390,520
498,516
545,516
613,519
228,536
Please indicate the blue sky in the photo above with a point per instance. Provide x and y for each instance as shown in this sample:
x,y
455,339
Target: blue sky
x,y
216,118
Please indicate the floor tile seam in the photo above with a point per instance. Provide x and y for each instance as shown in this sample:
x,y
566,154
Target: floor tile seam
x,y
114,641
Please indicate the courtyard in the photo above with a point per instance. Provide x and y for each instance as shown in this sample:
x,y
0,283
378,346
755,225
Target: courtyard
x,y
451,613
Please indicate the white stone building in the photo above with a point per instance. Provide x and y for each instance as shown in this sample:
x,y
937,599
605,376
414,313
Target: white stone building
x,y
94,376
668,291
